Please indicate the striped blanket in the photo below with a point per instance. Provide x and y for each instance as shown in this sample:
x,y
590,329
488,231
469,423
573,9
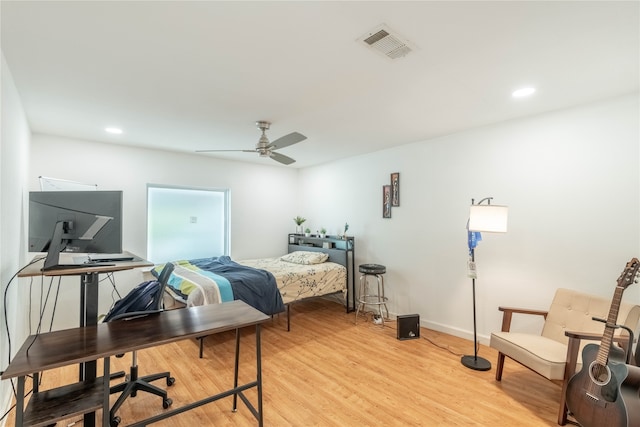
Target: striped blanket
x,y
220,279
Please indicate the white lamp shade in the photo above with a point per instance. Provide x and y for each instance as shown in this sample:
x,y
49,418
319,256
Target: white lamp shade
x,y
488,218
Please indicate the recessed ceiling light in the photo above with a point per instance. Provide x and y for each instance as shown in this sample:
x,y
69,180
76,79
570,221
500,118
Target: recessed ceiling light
x,y
525,91
115,131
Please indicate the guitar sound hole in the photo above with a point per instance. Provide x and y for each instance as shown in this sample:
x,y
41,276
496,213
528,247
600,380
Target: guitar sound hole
x,y
600,374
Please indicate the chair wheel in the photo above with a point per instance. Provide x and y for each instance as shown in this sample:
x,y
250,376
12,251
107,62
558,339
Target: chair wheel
x,y
166,403
115,421
171,381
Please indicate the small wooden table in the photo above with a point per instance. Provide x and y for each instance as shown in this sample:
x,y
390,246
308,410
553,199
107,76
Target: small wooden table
x,y
70,346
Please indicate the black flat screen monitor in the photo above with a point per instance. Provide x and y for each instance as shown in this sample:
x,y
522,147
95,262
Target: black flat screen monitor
x,y
74,221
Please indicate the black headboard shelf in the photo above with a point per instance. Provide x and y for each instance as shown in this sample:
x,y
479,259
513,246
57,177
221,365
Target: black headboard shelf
x,y
340,250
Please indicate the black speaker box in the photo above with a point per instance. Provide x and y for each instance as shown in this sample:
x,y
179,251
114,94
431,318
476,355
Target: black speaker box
x,y
408,326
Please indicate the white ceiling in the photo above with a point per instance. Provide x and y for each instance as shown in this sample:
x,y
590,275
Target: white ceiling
x,y
197,75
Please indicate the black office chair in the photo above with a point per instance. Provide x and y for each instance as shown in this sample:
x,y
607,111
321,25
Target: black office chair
x,y
129,307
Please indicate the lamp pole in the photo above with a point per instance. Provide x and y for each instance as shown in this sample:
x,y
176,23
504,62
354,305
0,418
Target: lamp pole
x,y
474,362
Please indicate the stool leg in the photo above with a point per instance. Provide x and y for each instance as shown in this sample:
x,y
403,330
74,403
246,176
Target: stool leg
x,y
380,297
381,292
361,295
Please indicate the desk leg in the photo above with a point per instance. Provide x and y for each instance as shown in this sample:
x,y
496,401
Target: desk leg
x,y
88,317
36,382
258,415
236,391
235,371
89,313
259,373
20,402
106,409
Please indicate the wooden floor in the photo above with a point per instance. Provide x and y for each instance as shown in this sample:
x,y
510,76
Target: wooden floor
x,y
328,371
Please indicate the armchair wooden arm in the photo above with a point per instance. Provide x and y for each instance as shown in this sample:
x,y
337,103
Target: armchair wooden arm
x,y
507,314
576,337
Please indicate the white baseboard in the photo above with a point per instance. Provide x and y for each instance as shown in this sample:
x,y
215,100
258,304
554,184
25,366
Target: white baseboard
x,y
456,332
446,329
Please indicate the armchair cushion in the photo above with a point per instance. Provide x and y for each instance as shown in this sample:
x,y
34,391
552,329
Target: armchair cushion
x,y
543,355
574,311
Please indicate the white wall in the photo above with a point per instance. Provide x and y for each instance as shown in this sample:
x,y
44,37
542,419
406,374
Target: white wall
x,y
263,201
570,179
14,152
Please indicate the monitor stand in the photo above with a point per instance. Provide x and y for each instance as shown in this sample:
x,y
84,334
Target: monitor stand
x,y
55,246
52,261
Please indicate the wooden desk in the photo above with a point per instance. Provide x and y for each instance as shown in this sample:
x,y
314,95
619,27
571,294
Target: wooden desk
x,y
89,281
70,346
35,269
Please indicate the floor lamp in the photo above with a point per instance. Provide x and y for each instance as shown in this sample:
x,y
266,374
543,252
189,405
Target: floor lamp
x,y
482,218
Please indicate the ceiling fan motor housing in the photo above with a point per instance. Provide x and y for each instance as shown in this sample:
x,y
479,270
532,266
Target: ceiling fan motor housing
x,y
263,143
263,124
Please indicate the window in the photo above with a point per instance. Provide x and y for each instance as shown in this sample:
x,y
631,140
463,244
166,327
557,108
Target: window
x,y
186,223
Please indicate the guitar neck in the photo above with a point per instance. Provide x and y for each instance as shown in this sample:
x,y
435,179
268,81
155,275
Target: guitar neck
x,y
612,319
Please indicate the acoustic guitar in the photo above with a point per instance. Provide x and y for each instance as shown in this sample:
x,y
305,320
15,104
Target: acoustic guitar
x,y
605,391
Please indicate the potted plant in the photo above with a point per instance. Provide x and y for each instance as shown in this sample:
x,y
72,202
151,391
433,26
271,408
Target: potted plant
x,y
323,232
307,232
299,221
346,227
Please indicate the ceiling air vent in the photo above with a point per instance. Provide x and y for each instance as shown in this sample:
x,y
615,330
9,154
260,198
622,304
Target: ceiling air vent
x,y
383,40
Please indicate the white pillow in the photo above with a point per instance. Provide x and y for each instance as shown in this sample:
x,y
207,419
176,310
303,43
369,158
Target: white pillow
x,y
305,257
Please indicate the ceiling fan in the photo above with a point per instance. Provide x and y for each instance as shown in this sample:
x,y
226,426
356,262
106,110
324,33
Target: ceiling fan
x,y
266,148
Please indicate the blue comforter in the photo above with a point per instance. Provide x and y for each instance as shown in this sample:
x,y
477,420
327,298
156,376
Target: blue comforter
x,y
256,287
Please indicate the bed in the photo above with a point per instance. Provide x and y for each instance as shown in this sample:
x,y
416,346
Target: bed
x,y
269,284
298,279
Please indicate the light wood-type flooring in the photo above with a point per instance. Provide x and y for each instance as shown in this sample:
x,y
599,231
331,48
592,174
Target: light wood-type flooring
x,y
329,371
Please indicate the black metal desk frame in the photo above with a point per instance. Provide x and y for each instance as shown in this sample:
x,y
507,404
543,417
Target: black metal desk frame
x,y
91,343
89,292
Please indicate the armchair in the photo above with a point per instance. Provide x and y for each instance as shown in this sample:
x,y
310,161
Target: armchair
x,y
556,352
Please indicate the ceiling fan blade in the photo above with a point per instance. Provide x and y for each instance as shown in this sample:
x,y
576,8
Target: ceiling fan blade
x,y
282,158
253,150
287,140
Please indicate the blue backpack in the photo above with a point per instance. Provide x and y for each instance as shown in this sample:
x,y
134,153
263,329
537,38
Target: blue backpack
x,y
143,297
